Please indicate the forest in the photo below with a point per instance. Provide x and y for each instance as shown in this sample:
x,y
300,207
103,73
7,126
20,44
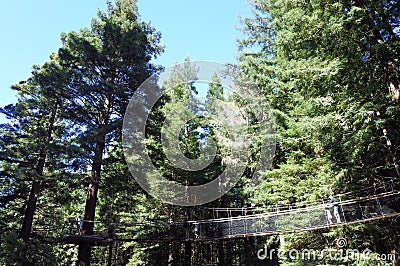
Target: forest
x,y
318,177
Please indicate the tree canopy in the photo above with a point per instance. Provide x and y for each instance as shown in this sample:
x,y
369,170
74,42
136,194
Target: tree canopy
x,y
329,71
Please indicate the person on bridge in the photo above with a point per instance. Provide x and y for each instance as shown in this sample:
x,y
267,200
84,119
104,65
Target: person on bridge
x,y
71,224
335,208
79,224
186,226
328,214
75,222
196,230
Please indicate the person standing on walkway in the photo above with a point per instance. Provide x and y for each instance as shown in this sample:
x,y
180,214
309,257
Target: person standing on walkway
x,y
328,215
335,208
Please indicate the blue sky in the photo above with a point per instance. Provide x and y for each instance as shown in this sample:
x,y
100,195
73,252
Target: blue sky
x,y
30,30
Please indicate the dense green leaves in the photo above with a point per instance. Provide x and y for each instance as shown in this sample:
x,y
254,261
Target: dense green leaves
x,y
327,68
330,72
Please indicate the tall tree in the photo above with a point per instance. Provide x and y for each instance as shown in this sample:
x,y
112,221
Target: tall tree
x,y
108,61
329,69
47,81
33,143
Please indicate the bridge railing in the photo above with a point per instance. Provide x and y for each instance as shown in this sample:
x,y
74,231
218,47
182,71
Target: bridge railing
x,y
238,222
308,218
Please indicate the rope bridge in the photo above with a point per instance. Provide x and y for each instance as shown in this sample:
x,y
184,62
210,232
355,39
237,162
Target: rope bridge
x,y
244,222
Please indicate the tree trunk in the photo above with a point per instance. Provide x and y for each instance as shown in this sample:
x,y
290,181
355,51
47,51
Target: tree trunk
x,y
250,255
91,200
30,211
391,153
170,260
221,257
389,146
188,253
36,185
109,259
93,186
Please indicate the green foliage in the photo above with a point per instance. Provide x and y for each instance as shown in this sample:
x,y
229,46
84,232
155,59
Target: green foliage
x,y
317,62
73,103
329,70
13,250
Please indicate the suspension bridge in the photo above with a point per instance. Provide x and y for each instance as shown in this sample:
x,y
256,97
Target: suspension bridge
x,y
377,203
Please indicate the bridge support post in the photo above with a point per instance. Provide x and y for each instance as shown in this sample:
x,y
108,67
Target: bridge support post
x,y
109,259
341,208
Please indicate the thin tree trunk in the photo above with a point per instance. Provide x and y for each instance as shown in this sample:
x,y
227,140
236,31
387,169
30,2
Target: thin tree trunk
x,y
36,185
390,149
170,261
221,257
171,247
391,153
109,259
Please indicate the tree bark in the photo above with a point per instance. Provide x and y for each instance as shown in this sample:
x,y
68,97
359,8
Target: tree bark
x,y
30,211
91,201
221,257
84,250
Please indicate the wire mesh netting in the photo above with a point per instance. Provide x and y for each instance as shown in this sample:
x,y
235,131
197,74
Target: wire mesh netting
x,y
239,222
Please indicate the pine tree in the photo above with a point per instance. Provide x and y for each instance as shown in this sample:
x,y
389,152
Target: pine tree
x,y
34,151
108,62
